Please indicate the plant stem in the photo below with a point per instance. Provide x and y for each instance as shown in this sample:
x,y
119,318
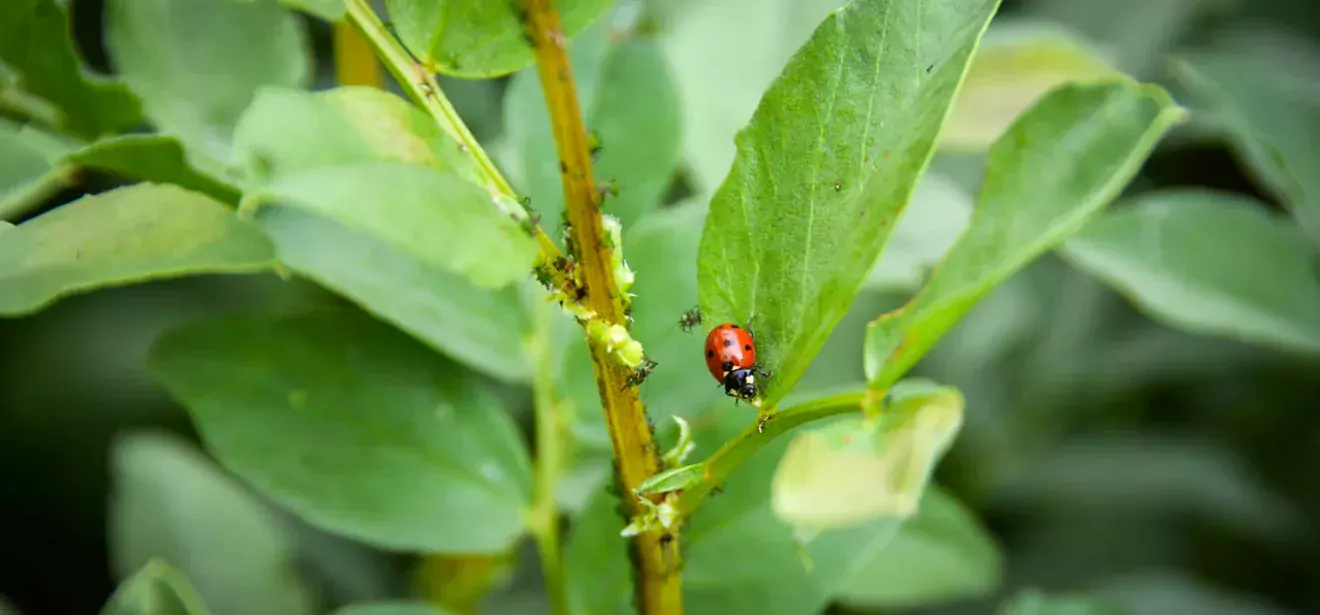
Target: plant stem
x,y
657,557
551,439
734,452
355,64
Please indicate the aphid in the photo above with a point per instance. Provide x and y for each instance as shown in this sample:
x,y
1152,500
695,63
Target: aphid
x,y
690,319
639,375
731,359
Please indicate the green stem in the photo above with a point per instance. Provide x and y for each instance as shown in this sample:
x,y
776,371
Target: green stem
x,y
551,441
736,451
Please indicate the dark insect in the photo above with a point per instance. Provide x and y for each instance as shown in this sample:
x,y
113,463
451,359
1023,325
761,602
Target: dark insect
x,y
731,359
690,319
639,375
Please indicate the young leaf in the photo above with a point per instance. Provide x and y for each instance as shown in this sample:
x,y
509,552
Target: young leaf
x,y
1166,252
35,43
170,502
391,608
29,159
196,64
824,169
153,158
482,328
940,554
860,468
1055,168
330,414
127,235
1032,602
156,589
477,39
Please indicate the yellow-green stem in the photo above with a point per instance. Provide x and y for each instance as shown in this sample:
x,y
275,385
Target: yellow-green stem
x,y
552,435
355,63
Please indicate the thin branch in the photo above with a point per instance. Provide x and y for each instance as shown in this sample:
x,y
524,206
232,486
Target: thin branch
x,y
657,557
552,435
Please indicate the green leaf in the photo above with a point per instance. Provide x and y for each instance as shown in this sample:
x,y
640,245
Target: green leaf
x,y
931,223
482,328
156,589
1178,593
1269,105
127,235
477,39
153,158
29,160
1013,69
861,468
329,414
1032,602
1166,252
941,554
197,64
171,503
329,10
35,43
439,218
391,608
596,559
824,169
1055,168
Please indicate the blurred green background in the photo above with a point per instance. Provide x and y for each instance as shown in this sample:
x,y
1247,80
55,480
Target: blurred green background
x,y
1104,449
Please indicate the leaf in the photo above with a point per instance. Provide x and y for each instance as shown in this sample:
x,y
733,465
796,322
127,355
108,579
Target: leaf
x,y
156,589
127,235
477,39
1271,110
1013,69
329,10
35,42
1173,593
196,64
1055,168
1032,602
29,158
391,608
329,414
1166,252
929,225
941,554
170,502
824,168
596,559
463,233
861,468
153,158
482,328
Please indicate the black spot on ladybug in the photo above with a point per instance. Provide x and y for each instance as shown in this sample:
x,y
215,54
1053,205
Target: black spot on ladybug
x,y
710,353
733,326
728,343
747,347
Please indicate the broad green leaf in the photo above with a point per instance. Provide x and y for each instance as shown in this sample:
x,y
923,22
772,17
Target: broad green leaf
x,y
1013,69
482,328
330,414
391,608
1177,593
35,42
477,39
434,216
156,589
127,235
329,10
29,161
1055,168
1167,252
1271,108
171,503
724,54
1032,602
824,169
929,225
860,468
197,64
153,158
940,554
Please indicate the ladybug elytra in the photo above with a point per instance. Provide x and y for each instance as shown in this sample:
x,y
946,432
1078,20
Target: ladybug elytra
x,y
731,359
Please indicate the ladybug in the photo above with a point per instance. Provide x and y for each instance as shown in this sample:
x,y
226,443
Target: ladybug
x,y
731,359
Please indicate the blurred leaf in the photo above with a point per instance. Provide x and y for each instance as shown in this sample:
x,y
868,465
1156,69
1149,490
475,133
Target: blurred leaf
x,y
1167,251
1134,34
196,64
1014,67
35,42
819,179
462,582
482,328
329,414
724,54
127,235
940,554
1271,108
153,158
860,468
596,559
391,608
329,10
29,158
156,589
1170,593
1058,165
477,39
6,608
1032,602
171,503
929,225
465,234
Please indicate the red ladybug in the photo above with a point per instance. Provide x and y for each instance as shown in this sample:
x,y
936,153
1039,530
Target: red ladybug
x,y
731,359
